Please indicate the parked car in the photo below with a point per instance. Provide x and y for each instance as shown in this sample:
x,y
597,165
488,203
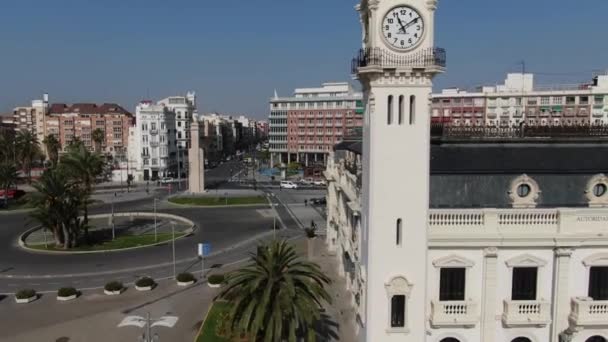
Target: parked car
x,y
167,180
320,182
288,185
318,201
306,181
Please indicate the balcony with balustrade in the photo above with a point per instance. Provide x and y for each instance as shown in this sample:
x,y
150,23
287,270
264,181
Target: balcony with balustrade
x,y
526,313
588,313
377,59
454,314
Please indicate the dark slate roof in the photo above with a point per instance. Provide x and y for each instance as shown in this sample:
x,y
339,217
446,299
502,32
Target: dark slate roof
x,y
519,158
479,175
355,146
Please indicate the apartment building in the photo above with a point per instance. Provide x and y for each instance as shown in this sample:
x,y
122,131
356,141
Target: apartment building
x,y
79,120
520,101
305,126
153,148
32,118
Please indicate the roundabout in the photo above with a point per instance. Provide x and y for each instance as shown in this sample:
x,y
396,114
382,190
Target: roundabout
x,y
232,232
114,232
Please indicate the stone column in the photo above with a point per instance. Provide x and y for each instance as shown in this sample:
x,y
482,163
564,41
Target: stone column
x,y
271,160
488,295
561,299
196,161
306,157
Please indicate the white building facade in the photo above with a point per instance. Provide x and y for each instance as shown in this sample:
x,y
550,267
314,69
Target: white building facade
x,y
520,101
152,142
517,257
513,247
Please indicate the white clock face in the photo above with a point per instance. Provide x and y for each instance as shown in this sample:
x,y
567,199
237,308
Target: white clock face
x,y
403,28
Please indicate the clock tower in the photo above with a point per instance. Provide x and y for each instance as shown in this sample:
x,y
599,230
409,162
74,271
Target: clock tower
x,y
396,67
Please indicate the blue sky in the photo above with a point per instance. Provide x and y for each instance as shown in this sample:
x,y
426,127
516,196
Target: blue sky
x,y
234,53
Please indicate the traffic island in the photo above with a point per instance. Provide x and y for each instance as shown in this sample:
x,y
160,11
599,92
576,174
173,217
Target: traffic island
x,y
111,233
216,201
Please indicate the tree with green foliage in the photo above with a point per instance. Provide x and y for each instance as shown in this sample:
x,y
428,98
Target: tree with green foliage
x,y
8,178
7,146
52,146
277,296
98,137
57,204
27,149
82,166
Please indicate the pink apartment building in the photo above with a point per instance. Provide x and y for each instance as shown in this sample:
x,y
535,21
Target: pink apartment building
x,y
305,126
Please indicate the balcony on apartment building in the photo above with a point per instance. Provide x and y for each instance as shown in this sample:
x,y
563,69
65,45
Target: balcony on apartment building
x,y
588,313
526,313
153,131
454,313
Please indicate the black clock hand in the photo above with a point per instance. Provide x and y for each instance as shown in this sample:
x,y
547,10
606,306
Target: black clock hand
x,y
410,23
401,24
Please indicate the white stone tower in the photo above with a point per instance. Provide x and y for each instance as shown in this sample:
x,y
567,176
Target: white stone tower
x,y
196,160
396,67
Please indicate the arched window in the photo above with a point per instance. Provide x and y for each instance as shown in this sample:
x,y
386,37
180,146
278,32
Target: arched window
x,y
596,339
398,232
401,109
521,339
449,339
412,109
398,311
390,110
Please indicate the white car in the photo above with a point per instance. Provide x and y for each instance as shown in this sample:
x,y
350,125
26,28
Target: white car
x,y
319,182
288,185
167,180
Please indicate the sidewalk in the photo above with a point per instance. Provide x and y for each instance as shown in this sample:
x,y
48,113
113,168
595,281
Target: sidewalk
x,y
304,215
94,316
340,310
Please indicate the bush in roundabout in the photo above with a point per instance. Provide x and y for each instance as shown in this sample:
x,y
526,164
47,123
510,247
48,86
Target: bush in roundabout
x,y
67,293
113,288
145,284
25,294
185,279
215,280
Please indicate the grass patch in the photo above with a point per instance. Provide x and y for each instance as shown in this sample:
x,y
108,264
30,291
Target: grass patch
x,y
121,242
218,201
208,332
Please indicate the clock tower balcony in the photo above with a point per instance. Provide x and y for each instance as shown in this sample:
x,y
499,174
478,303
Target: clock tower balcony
x,y
372,60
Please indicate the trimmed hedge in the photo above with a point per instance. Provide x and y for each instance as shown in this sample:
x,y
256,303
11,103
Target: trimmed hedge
x,y
185,277
216,279
113,286
145,282
67,292
25,294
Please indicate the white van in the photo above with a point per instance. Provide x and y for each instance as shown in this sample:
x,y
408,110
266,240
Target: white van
x,y
288,185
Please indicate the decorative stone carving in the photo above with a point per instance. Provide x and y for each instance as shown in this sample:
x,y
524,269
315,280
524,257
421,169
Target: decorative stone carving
x,y
596,201
529,200
490,252
453,261
526,260
599,259
431,4
398,286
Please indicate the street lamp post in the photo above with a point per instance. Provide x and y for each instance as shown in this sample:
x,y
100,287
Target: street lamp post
x,y
113,224
173,240
155,225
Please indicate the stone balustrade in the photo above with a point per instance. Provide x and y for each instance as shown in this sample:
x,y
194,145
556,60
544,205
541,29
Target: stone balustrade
x,y
526,313
587,312
454,313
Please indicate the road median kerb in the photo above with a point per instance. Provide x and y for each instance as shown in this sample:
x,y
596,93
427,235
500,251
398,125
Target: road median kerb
x,y
188,232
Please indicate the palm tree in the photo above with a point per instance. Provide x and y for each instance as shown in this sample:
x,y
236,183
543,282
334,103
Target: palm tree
x,y
57,202
8,177
277,296
83,167
27,149
98,137
52,148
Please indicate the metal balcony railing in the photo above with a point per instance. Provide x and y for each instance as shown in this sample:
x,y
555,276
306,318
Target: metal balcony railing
x,y
431,57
